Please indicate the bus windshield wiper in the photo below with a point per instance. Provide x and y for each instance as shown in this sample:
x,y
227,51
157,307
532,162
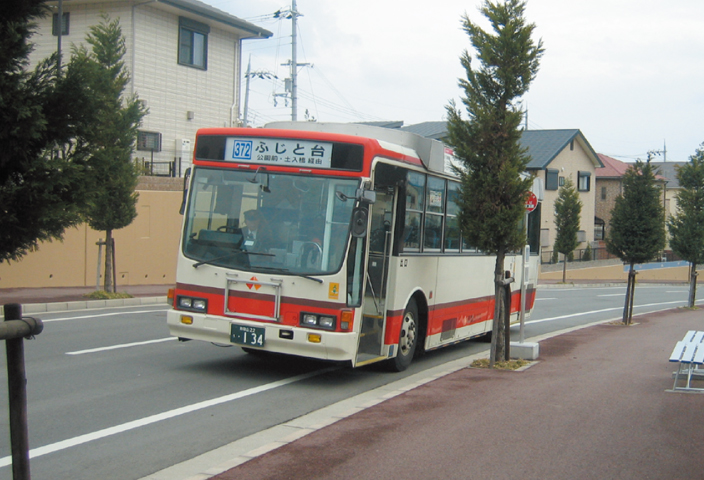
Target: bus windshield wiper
x,y
284,270
223,257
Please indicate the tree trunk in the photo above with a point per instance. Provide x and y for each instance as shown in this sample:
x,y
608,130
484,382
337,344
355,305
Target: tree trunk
x,y
630,293
693,286
507,322
107,280
497,344
564,269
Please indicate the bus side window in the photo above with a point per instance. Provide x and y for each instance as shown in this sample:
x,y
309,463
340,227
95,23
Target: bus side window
x,y
415,197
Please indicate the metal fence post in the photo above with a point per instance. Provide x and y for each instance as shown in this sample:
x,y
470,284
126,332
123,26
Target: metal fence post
x,y
17,393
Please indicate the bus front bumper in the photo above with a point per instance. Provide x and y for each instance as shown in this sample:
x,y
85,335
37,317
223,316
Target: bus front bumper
x,y
278,338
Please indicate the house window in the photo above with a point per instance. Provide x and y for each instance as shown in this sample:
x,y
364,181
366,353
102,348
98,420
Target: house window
x,y
193,43
603,193
551,179
562,181
55,25
599,229
583,181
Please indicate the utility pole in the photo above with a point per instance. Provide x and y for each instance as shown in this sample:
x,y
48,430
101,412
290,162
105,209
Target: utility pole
x,y
249,74
292,83
294,64
60,22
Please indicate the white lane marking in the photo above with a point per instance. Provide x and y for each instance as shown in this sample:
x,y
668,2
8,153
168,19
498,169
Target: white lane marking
x,y
541,299
569,315
116,347
106,432
63,319
611,295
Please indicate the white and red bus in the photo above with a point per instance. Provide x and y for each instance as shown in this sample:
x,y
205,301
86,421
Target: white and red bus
x,y
332,241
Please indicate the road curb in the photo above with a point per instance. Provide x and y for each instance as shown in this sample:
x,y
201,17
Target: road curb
x,y
34,308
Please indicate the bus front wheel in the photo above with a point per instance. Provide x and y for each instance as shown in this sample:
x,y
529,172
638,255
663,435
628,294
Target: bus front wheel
x,y
408,339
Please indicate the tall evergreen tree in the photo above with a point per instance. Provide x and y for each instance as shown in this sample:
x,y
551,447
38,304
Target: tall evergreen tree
x,y
494,192
42,164
113,175
568,209
687,226
637,233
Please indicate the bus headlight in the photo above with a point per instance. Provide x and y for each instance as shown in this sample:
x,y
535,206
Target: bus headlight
x,y
326,322
316,320
192,304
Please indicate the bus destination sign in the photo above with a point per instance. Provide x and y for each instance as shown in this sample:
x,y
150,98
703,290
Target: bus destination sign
x,y
279,151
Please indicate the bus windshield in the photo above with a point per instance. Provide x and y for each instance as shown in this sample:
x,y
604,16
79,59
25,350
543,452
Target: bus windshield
x,y
268,222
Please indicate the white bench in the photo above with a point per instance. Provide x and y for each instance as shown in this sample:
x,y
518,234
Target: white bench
x,y
689,352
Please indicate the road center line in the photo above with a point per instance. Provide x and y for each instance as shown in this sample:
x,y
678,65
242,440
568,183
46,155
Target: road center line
x,y
106,432
102,315
116,347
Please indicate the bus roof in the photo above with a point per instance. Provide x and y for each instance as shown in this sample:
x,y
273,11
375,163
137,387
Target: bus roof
x,y
431,152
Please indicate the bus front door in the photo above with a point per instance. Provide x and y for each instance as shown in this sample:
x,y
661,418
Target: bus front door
x,y
371,339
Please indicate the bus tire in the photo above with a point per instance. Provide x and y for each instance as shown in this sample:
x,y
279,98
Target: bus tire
x,y
408,339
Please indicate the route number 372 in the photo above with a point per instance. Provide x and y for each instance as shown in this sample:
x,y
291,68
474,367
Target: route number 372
x,y
242,150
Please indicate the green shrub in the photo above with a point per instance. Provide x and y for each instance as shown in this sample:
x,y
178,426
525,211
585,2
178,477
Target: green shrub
x,y
103,295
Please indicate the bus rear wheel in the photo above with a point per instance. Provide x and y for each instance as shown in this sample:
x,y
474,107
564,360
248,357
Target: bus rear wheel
x,y
408,339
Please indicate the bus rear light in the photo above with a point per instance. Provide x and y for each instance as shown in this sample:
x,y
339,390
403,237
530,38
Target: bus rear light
x,y
186,319
315,338
347,320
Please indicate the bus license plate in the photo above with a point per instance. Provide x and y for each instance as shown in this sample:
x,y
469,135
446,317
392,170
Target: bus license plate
x,y
250,336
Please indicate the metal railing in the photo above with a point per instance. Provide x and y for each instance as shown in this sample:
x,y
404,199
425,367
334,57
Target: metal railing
x,y
599,253
160,169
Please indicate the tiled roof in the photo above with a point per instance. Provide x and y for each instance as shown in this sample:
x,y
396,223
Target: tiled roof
x,y
207,11
612,168
544,145
668,172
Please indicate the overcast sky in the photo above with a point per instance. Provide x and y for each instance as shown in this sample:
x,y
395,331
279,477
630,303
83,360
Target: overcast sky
x,y
627,73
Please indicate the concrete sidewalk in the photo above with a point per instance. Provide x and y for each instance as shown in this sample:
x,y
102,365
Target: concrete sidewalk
x,y
48,299
595,406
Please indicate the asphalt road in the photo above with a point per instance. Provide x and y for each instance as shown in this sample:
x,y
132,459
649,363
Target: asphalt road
x,y
112,396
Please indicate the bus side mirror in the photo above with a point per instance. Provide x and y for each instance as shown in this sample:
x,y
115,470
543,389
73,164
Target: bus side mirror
x,y
186,177
365,196
360,217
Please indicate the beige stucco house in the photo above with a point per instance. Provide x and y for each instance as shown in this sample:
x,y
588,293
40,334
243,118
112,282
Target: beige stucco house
x,y
556,156
184,59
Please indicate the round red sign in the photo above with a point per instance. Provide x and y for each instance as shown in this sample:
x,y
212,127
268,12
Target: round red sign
x,y
531,202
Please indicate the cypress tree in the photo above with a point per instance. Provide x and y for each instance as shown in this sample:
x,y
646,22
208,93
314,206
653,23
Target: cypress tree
x,y
42,164
637,233
687,226
113,175
568,209
494,191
